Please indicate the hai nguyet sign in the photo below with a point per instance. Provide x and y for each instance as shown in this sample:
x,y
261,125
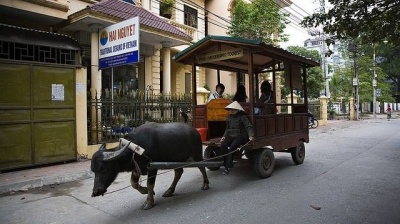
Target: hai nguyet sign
x,y
119,44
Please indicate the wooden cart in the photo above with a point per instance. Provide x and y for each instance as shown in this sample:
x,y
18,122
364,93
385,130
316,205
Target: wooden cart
x,y
285,130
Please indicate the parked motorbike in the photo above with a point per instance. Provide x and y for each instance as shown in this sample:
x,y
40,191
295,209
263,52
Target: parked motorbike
x,y
312,122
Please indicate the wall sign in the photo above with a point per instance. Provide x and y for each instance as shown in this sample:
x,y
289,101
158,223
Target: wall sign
x,y
119,44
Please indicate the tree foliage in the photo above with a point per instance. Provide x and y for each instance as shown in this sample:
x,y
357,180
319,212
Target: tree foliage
x,y
258,20
341,82
388,59
365,70
372,20
340,85
315,79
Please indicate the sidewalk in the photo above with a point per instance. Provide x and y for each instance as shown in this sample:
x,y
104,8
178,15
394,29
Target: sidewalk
x,y
368,116
26,179
36,177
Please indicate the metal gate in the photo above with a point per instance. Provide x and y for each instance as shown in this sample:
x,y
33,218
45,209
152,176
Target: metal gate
x,y
37,115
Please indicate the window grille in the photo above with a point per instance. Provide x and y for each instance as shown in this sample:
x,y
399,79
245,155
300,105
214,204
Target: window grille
x,y
28,52
190,16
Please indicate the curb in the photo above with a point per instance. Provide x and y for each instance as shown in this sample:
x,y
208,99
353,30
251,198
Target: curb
x,y
43,181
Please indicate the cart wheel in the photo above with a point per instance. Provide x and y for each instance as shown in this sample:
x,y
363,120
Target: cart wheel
x,y
264,163
298,153
211,152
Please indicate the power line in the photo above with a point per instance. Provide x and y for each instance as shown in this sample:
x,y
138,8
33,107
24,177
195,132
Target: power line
x,y
292,18
226,26
295,20
212,21
308,14
124,11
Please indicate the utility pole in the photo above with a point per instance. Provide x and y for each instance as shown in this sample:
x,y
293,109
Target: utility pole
x,y
374,84
353,48
357,103
323,53
322,39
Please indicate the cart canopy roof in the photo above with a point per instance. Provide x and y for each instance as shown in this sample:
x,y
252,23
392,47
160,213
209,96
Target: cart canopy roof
x,y
232,54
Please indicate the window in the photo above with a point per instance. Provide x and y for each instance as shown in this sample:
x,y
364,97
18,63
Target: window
x,y
120,82
188,82
190,16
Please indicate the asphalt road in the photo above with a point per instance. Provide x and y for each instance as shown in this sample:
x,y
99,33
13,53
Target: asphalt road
x,y
351,174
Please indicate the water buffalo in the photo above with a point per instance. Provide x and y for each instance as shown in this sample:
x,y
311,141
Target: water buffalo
x,y
170,142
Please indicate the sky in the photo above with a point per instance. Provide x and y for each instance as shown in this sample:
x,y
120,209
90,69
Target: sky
x,y
298,10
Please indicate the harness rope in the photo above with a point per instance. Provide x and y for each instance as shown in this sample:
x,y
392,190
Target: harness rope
x,y
164,172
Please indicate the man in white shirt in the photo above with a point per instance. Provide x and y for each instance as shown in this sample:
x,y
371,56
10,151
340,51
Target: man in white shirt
x,y
219,90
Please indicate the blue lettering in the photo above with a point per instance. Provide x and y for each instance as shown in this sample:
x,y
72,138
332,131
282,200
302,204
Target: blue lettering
x,y
117,47
131,44
106,50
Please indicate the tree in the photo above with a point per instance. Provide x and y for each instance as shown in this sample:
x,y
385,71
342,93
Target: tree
x,y
365,69
341,83
388,59
340,86
259,20
315,79
373,21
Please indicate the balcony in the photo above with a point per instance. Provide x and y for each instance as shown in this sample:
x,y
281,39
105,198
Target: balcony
x,y
184,28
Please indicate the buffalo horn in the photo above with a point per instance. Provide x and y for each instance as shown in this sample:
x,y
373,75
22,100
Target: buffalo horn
x,y
102,147
114,154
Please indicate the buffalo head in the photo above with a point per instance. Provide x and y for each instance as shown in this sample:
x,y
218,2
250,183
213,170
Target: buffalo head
x,y
105,167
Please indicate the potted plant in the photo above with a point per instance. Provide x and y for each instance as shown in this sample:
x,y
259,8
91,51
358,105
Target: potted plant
x,y
166,7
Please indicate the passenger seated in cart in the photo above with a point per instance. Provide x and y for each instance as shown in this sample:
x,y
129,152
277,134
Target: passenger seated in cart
x,y
267,96
219,90
240,95
239,131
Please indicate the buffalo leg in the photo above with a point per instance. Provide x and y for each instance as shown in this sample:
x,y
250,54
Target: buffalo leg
x,y
206,182
135,183
177,177
151,180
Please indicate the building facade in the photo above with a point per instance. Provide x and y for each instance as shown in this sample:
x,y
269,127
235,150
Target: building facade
x,y
50,50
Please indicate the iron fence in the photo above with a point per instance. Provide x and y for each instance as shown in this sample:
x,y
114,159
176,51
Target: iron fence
x,y
314,107
112,117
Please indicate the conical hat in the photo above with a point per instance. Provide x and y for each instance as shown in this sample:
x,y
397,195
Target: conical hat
x,y
235,105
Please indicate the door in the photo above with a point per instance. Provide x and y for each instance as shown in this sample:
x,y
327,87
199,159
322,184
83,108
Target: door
x,y
37,115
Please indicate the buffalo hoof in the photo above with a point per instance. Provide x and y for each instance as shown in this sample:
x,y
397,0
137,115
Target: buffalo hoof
x,y
97,193
142,190
147,206
168,193
205,187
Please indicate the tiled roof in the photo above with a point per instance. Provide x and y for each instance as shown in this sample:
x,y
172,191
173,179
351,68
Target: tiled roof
x,y
125,10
